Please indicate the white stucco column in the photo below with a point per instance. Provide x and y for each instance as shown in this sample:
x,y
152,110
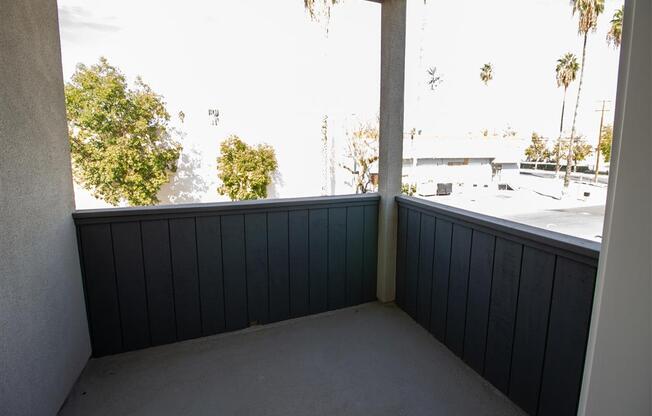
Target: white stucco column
x,y
618,369
392,80
44,342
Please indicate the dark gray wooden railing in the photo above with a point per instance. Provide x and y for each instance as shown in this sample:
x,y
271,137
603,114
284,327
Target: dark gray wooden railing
x,y
513,301
158,275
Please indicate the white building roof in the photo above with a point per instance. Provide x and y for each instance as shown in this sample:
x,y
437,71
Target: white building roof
x,y
499,150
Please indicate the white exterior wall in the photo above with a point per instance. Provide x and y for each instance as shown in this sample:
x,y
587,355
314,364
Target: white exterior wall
x,y
618,370
429,172
44,342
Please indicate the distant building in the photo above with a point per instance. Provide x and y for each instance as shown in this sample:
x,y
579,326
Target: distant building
x,y
482,162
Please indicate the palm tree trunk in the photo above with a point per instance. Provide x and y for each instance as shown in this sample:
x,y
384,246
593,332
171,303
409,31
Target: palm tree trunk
x,y
569,158
561,129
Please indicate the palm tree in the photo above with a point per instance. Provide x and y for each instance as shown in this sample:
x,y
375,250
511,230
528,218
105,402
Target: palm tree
x,y
486,73
616,31
566,70
588,12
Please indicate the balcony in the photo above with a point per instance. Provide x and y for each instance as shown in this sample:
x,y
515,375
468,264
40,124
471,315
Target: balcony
x,y
488,299
363,304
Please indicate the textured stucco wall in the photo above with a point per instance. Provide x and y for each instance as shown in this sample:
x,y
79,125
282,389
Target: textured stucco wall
x,y
618,371
390,152
43,333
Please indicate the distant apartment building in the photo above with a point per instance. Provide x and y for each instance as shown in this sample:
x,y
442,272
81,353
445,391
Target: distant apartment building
x,y
462,162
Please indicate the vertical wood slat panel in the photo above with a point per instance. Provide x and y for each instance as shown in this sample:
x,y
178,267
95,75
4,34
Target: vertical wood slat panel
x,y
502,313
426,252
458,288
132,291
318,260
568,329
234,267
401,256
299,251
186,278
443,236
279,279
477,315
537,275
412,268
158,276
354,254
370,256
211,281
336,258
257,278
101,289
501,318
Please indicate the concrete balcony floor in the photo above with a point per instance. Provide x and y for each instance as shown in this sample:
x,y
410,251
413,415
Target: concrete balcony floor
x,y
371,359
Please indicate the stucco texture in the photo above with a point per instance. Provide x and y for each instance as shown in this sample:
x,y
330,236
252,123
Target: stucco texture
x,y
43,332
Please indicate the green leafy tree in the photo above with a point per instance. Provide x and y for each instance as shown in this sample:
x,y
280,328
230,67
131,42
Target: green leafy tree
x,y
245,171
537,151
408,189
362,149
605,142
581,150
559,151
566,71
120,142
615,34
588,12
486,73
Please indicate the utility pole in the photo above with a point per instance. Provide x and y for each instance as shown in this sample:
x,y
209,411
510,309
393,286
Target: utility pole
x,y
597,148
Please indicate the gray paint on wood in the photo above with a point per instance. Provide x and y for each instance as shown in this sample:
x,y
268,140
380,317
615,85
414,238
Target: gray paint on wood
x,y
426,254
479,295
132,290
211,281
458,288
156,280
514,305
439,302
531,329
299,264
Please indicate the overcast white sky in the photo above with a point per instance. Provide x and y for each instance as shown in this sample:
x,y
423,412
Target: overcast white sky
x,y
523,40
273,73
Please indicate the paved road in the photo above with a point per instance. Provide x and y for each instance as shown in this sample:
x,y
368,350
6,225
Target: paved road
x,y
583,177
585,222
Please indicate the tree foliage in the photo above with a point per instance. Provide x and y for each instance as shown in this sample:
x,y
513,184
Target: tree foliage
x,y
120,141
558,152
408,189
566,70
606,139
434,79
486,73
320,10
588,12
581,149
362,149
537,151
615,34
245,171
